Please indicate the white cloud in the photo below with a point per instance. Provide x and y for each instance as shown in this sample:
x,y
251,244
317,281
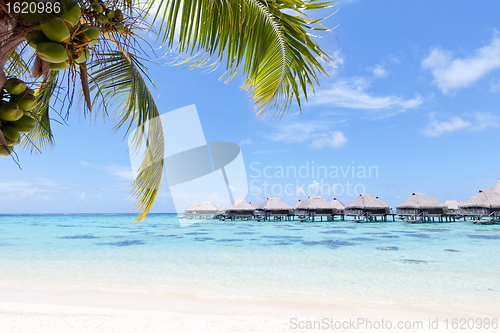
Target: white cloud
x,y
83,197
316,134
84,163
246,141
394,59
478,121
314,187
335,139
436,128
351,94
336,63
378,71
451,74
124,172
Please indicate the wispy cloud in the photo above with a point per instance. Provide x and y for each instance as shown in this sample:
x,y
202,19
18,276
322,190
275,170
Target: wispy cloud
x,y
475,122
259,152
317,135
378,71
246,141
454,73
124,172
351,93
20,190
335,139
83,197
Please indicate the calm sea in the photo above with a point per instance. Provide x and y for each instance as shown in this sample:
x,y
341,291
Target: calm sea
x,y
394,262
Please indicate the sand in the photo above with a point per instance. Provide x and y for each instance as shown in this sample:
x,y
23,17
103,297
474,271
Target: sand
x,y
92,311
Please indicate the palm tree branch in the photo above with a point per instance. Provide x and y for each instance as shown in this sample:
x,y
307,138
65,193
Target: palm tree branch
x,y
41,136
117,79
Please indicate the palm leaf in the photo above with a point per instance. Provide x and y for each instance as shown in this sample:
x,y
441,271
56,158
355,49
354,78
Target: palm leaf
x,y
41,136
116,79
16,66
279,59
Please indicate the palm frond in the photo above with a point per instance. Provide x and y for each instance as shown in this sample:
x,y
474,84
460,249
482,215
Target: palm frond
x,y
16,66
279,59
41,136
116,79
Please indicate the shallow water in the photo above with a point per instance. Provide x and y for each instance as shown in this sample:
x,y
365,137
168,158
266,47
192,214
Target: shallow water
x,y
393,262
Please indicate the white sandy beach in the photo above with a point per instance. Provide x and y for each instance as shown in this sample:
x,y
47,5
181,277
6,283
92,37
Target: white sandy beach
x,y
51,311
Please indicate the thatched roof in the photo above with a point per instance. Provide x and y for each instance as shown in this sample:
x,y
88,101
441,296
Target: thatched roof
x,y
367,201
298,204
337,204
274,204
496,187
193,206
420,201
315,203
482,199
254,204
451,204
219,208
239,205
206,206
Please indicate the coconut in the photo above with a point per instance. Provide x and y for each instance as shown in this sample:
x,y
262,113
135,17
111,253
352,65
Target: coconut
x,y
24,124
119,27
83,57
15,86
97,8
103,18
52,52
59,66
4,152
118,15
13,143
35,37
25,102
56,30
10,133
89,33
10,111
70,11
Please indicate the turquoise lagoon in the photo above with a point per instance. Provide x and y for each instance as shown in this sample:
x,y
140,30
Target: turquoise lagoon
x,y
441,264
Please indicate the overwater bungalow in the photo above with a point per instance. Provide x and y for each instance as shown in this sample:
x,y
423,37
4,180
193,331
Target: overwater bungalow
x,y
338,207
420,207
254,204
274,208
496,187
482,204
367,208
239,208
452,208
188,212
315,206
206,209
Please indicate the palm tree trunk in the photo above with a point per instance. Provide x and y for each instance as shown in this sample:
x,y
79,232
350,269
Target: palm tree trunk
x,y
13,29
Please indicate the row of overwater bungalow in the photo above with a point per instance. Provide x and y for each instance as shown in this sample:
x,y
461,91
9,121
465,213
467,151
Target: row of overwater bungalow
x,y
483,207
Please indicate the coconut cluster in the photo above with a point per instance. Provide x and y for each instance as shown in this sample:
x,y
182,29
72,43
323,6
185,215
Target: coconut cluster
x,y
110,19
61,39
16,100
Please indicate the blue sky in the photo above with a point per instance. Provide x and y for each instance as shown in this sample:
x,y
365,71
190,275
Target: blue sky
x,y
414,94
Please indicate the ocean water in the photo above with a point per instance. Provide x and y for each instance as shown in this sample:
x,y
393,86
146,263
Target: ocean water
x,y
389,263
